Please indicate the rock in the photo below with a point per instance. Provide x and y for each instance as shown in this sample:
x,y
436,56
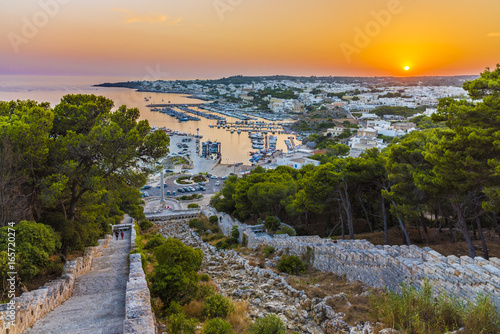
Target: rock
x,y
329,312
291,312
335,326
306,304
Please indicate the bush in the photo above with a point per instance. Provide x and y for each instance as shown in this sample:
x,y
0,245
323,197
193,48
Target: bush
x,y
174,252
268,250
198,225
156,241
205,291
174,308
193,205
235,233
217,306
35,243
145,225
287,230
270,324
204,278
222,245
178,324
173,283
217,326
272,223
175,278
292,265
214,220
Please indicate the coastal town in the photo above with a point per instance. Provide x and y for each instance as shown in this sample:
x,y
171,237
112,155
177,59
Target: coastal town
x,y
361,113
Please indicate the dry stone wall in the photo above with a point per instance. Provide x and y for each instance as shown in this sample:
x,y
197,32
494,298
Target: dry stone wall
x,y
382,266
139,318
34,305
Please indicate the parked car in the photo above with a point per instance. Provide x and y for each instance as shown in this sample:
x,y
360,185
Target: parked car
x,y
192,189
213,177
147,186
180,190
217,183
201,183
197,188
203,188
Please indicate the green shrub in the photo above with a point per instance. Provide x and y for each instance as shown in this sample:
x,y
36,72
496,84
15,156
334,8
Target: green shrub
x,y
287,230
292,265
174,308
268,250
214,220
193,205
272,223
174,252
178,324
205,291
34,243
235,233
270,324
215,229
217,326
173,283
156,241
192,222
217,306
145,225
175,278
198,225
222,245
481,317
204,278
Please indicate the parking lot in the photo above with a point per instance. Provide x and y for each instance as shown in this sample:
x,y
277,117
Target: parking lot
x,y
211,187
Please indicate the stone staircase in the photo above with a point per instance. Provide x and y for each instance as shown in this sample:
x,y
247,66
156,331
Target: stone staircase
x,y
97,305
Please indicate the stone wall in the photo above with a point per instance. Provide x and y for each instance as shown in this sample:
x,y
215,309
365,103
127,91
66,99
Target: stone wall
x,y
34,305
139,318
383,266
174,214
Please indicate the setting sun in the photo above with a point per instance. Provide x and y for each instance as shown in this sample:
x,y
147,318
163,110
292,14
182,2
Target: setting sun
x,y
407,68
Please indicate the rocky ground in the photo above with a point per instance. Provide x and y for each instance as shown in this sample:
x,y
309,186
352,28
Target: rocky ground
x,y
267,291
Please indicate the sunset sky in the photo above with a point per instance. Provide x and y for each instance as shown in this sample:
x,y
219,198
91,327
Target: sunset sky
x,y
172,39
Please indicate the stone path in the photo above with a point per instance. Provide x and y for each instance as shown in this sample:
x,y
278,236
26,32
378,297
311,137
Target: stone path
x,y
97,305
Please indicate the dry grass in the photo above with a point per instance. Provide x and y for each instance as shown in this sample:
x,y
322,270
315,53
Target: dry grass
x,y
239,319
194,309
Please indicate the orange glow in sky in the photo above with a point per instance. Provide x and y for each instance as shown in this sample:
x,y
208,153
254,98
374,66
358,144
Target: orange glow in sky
x,y
215,38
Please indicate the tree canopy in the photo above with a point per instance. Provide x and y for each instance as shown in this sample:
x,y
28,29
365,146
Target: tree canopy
x,y
76,167
450,171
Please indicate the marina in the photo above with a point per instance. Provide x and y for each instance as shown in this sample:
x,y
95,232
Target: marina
x,y
182,117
